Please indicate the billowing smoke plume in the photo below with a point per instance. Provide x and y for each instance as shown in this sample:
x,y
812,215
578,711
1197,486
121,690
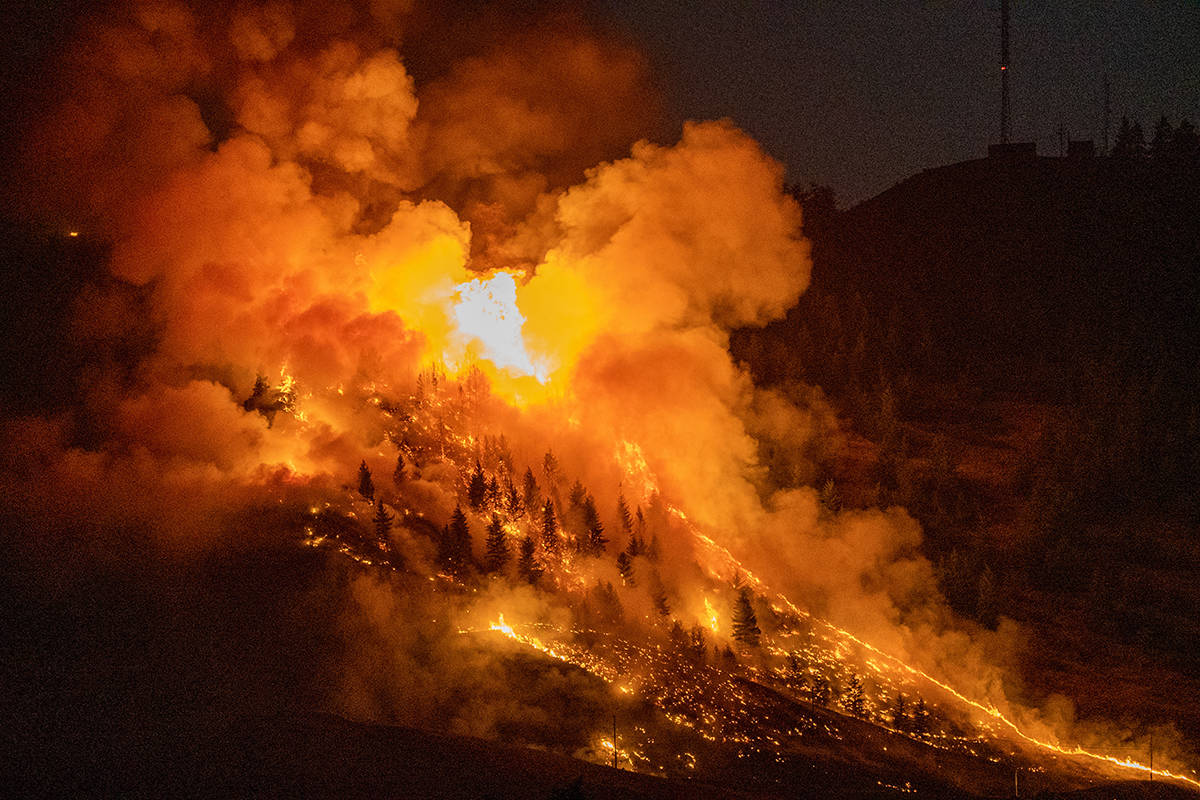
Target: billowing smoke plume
x,y
284,199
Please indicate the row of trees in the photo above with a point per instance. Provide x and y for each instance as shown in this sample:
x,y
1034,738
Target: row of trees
x,y
904,715
1169,143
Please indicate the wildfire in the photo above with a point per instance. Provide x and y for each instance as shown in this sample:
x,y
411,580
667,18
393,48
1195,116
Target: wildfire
x,y
712,616
902,667
486,313
632,461
503,627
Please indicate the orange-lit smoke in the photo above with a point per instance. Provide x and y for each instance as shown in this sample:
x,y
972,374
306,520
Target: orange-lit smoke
x,y
295,203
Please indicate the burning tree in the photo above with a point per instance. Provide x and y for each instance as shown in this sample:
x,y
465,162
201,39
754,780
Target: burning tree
x,y
596,540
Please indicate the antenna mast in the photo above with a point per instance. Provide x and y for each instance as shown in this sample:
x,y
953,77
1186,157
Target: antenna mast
x,y
1004,72
1107,111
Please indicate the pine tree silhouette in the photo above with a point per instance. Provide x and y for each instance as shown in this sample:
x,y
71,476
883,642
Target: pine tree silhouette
x,y
853,700
532,495
549,527
625,568
366,487
527,566
596,541
498,553
455,553
512,498
1161,144
745,621
624,516
920,718
477,488
900,719
659,595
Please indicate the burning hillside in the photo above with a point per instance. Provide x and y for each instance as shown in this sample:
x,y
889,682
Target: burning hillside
x,y
462,335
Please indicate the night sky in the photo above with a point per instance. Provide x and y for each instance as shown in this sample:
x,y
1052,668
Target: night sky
x,y
853,94
859,95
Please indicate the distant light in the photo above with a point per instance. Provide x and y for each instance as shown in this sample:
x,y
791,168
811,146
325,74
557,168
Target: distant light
x,y
73,234
1003,68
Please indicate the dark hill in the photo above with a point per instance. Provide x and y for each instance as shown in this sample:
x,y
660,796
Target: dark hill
x,y
1025,270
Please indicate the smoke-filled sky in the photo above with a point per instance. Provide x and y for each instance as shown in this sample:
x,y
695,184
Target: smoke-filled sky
x,y
857,95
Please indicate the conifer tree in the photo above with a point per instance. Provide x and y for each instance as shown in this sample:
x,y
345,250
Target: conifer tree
x,y
527,566
383,526
477,488
920,718
853,700
532,494
659,595
795,666
596,540
636,547
550,470
1185,144
578,496
728,658
493,497
624,516
1160,144
608,603
366,487
1130,142
456,552
745,621
498,553
900,720
625,568
549,527
512,499
652,550
818,689
678,637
